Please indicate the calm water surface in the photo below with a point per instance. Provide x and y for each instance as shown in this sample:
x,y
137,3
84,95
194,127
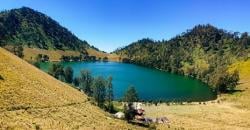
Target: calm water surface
x,y
151,84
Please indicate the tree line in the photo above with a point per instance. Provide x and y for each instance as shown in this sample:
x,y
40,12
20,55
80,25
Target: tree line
x,y
82,58
99,88
204,52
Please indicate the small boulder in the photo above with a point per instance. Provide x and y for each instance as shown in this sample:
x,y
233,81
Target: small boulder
x,y
119,115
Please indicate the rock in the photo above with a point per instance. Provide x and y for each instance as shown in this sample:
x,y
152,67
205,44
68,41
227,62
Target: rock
x,y
119,115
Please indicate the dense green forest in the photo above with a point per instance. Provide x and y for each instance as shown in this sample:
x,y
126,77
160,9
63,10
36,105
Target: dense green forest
x,y
204,52
28,27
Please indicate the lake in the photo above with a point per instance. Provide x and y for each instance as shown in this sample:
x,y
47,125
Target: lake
x,y
151,84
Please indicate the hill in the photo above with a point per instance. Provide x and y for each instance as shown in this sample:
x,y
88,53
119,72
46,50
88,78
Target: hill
x,y
204,52
37,33
28,27
189,54
31,99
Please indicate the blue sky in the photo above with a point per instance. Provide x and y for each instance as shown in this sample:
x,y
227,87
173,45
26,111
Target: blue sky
x,y
109,24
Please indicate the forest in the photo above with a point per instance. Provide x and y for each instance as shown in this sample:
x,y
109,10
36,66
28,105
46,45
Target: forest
x,y
30,28
204,52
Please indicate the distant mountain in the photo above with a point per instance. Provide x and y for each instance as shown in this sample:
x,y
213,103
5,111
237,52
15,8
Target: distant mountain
x,y
204,52
31,28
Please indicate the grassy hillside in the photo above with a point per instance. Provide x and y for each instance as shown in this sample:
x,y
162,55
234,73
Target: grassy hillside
x,y
31,99
229,111
55,55
111,57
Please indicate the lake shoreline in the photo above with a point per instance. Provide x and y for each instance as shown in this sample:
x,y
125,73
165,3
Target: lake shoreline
x,y
152,85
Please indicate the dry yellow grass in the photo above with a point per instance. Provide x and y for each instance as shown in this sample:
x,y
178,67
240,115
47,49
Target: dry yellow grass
x,y
31,99
232,112
55,55
196,116
111,57
243,67
241,99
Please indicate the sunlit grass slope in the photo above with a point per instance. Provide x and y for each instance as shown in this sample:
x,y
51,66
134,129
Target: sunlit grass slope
x,y
31,99
55,55
229,111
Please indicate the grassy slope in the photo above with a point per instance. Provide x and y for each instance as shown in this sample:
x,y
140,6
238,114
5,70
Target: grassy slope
x,y
30,99
232,112
54,55
111,57
31,53
241,99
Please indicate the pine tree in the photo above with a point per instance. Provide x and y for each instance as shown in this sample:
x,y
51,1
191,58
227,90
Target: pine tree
x,y
131,95
99,91
110,95
85,81
68,72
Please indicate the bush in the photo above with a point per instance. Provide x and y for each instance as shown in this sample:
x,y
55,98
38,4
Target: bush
x,y
18,50
56,70
131,95
109,94
39,58
105,59
129,112
99,91
68,73
45,58
36,64
65,58
42,58
85,81
227,82
76,81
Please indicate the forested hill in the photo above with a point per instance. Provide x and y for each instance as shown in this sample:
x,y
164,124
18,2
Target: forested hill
x,y
28,27
204,52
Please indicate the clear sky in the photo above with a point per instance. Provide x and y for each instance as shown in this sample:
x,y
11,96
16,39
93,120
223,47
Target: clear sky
x,y
109,24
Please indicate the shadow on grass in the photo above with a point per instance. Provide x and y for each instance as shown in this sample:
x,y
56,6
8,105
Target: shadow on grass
x,y
139,124
1,77
234,91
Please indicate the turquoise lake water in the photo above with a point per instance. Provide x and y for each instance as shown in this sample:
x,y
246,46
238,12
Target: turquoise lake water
x,y
151,84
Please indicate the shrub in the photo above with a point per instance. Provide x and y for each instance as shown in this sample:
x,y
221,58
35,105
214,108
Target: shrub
x,y
129,112
18,50
36,64
131,95
57,71
45,58
109,95
99,91
105,59
76,81
85,81
227,82
68,73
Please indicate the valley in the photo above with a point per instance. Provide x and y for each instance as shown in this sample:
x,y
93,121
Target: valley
x,y
51,79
